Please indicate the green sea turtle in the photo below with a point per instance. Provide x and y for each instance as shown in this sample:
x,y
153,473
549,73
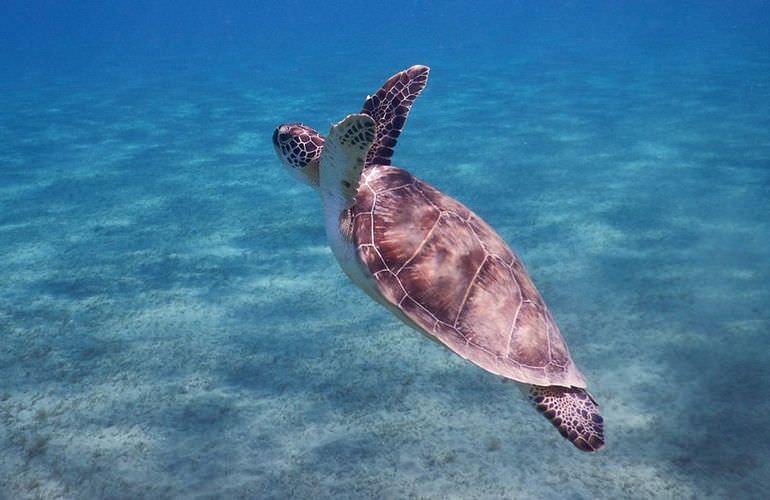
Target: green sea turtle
x,y
431,261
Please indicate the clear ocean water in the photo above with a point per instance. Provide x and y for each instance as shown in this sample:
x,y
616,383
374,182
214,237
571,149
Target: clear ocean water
x,y
173,324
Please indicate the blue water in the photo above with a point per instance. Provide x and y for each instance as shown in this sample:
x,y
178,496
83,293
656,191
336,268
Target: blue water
x,y
173,325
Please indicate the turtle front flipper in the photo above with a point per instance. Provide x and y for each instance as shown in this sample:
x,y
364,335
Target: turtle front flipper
x,y
389,107
572,411
342,159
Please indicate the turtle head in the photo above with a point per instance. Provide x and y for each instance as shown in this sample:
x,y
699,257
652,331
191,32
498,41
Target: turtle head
x,y
299,149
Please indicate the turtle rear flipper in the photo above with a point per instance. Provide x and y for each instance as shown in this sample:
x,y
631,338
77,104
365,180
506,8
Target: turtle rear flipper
x,y
573,412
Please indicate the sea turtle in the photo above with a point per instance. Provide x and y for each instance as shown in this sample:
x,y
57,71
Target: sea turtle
x,y
431,261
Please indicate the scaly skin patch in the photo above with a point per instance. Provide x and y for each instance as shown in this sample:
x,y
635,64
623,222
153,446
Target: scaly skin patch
x,y
573,412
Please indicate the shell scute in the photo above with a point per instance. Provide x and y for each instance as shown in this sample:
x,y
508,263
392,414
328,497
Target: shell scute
x,y
528,289
401,224
439,199
372,259
417,312
559,352
529,340
489,308
492,242
440,274
364,199
388,179
390,286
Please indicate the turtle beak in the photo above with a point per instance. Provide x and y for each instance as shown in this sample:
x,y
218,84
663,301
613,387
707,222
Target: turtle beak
x,y
275,136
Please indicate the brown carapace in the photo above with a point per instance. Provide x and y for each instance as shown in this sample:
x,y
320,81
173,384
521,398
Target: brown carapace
x,y
450,273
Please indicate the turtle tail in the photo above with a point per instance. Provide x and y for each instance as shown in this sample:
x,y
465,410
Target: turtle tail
x,y
573,412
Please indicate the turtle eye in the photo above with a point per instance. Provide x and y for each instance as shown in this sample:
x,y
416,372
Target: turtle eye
x,y
284,137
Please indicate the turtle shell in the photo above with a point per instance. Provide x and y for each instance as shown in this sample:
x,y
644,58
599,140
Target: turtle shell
x,y
451,274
